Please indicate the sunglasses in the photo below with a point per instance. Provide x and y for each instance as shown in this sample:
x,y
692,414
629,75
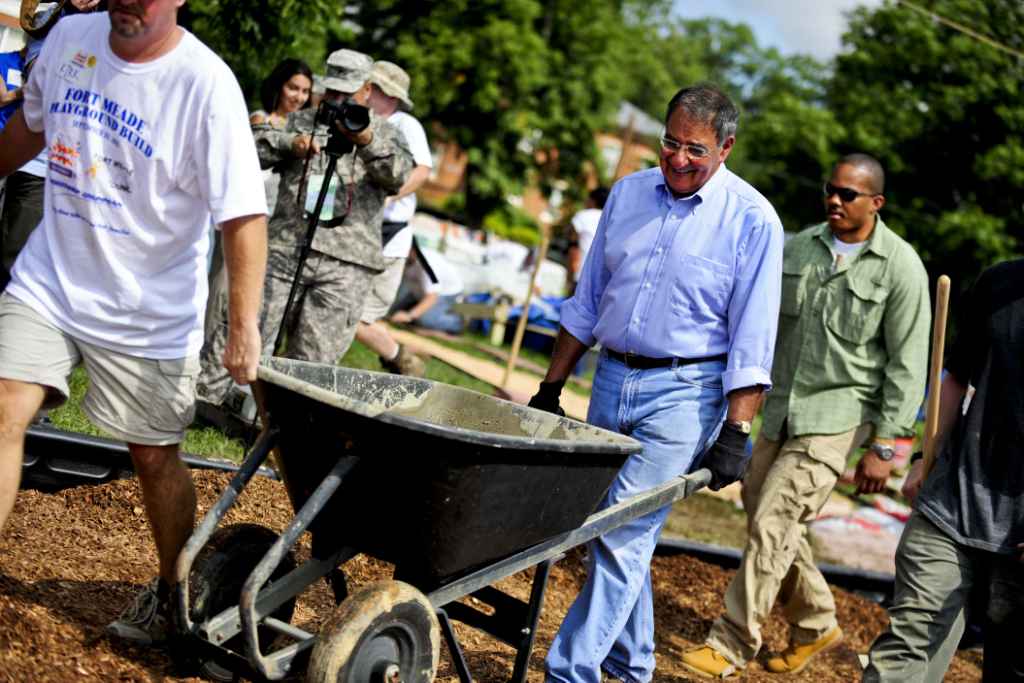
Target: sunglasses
x,y
846,194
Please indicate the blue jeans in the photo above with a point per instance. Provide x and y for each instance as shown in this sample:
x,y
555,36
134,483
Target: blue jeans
x,y
675,412
441,317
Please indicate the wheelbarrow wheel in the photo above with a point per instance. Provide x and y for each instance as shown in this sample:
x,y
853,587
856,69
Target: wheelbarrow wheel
x,y
385,632
216,581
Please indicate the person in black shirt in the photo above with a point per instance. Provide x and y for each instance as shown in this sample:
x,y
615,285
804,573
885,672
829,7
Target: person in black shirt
x,y
967,529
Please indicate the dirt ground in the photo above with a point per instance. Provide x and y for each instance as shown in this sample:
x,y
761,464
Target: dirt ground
x,y
70,561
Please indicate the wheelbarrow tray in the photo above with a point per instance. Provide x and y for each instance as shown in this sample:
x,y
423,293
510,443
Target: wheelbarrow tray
x,y
447,479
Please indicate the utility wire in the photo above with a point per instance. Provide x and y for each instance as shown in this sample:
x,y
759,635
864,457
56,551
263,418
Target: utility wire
x,y
963,29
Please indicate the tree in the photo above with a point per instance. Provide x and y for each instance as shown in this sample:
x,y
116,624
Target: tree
x,y
253,36
509,80
786,137
943,113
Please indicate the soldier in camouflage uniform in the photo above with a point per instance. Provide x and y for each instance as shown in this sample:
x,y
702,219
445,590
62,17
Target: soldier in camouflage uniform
x,y
344,258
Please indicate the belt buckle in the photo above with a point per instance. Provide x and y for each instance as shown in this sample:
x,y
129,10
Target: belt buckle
x,y
630,359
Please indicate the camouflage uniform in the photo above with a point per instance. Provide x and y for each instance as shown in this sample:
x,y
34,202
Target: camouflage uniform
x,y
343,260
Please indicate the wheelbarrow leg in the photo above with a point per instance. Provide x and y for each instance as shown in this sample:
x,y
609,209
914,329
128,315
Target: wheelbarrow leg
x,y
525,647
454,649
269,668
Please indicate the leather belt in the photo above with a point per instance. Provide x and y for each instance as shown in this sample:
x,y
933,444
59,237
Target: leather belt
x,y
631,360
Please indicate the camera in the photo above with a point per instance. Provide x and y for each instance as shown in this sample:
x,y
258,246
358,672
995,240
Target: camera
x,y
350,117
353,117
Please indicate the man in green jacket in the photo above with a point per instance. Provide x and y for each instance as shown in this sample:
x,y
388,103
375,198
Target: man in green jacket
x,y
849,369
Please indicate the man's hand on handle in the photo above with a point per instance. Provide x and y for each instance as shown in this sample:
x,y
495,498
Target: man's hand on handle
x,y
727,458
242,353
547,397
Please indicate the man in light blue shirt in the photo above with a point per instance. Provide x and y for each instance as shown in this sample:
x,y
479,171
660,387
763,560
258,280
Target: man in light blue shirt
x,y
681,287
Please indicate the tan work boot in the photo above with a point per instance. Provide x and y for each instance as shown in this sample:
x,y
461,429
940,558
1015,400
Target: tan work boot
x,y
796,657
405,363
708,662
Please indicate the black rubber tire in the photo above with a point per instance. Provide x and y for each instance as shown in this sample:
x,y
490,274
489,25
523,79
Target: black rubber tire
x,y
384,624
216,581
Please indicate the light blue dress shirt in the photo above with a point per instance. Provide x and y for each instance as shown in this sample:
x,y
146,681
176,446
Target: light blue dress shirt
x,y
684,278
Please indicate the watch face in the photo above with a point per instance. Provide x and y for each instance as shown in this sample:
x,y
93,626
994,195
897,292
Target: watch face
x,y
883,452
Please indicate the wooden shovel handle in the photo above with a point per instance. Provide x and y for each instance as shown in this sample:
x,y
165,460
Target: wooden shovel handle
x,y
931,420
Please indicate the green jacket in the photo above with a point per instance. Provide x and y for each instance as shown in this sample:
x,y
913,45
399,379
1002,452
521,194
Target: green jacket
x,y
853,344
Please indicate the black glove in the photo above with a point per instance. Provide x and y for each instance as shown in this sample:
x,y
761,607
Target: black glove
x,y
727,458
546,398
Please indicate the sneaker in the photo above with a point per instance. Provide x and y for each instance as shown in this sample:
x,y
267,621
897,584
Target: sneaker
x,y
796,657
708,662
405,363
147,621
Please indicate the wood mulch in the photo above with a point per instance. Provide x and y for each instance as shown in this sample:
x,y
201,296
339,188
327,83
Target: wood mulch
x,y
69,561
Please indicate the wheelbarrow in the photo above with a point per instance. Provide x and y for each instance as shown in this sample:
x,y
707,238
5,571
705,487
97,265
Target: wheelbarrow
x,y
458,490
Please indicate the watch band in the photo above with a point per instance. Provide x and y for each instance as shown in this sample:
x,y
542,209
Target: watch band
x,y
742,425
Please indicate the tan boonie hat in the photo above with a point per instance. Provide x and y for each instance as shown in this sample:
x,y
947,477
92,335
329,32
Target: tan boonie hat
x,y
347,71
393,81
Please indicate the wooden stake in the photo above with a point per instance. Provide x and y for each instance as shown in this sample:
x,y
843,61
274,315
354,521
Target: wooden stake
x,y
931,420
517,340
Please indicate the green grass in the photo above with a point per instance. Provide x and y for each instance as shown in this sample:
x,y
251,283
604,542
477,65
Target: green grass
x,y
362,358
467,345
708,520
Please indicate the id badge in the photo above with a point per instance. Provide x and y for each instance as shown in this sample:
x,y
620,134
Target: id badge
x,y
316,180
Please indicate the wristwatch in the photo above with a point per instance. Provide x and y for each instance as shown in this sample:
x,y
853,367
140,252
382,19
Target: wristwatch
x,y
742,425
883,452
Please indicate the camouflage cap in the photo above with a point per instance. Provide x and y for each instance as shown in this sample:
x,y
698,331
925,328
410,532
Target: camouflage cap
x,y
393,81
347,71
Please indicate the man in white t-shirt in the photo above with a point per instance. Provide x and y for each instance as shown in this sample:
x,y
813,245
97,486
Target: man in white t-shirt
x,y
425,301
147,138
390,100
584,224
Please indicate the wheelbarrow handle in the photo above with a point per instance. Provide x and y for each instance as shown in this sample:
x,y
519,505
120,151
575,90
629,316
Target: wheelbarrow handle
x,y
257,456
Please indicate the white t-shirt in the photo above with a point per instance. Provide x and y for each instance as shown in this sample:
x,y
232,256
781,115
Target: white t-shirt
x,y
140,157
585,224
449,281
402,210
844,252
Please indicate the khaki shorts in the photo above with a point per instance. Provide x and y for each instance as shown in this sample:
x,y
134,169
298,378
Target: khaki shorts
x,y
383,290
138,400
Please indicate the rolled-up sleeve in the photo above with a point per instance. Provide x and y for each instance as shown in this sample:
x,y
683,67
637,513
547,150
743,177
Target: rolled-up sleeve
x,y
579,314
754,307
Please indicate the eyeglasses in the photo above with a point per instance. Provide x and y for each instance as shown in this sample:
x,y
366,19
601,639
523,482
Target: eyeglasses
x,y
846,194
693,152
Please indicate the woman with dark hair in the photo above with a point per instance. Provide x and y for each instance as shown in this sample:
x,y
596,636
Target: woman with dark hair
x,y
285,90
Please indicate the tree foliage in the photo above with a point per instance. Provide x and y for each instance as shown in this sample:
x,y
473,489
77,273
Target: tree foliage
x,y
523,85
509,80
943,113
253,36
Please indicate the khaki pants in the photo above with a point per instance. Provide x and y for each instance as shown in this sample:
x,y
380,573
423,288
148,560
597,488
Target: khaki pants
x,y
784,489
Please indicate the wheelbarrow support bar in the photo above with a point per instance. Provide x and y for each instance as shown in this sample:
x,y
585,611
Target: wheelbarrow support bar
x,y
250,466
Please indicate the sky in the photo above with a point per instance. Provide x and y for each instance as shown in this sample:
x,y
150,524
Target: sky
x,y
811,27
